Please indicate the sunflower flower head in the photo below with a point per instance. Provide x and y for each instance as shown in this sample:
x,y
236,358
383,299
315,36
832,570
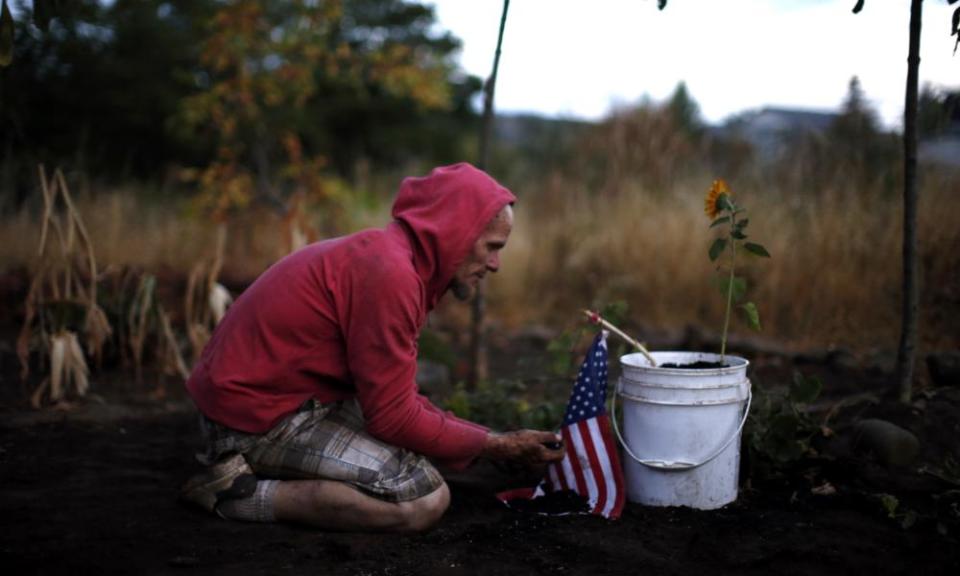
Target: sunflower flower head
x,y
712,204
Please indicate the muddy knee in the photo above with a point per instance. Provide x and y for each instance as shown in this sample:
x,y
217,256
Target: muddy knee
x,y
424,512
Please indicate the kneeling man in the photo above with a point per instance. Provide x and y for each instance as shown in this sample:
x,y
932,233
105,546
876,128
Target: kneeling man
x,y
309,406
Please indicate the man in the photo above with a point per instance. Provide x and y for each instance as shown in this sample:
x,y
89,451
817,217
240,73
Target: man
x,y
310,408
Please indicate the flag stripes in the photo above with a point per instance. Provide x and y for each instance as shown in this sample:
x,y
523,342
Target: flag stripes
x,y
591,464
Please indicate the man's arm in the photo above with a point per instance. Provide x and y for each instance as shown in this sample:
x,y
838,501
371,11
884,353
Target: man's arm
x,y
530,447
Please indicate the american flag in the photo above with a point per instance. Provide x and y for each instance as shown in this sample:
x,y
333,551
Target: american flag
x,y
591,467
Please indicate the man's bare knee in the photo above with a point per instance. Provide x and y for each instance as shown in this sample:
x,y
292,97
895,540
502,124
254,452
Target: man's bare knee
x,y
424,512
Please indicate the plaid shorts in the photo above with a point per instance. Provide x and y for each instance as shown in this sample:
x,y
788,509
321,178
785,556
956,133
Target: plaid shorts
x,y
327,441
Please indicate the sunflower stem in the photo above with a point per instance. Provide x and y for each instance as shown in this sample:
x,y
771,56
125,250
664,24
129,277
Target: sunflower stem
x,y
733,259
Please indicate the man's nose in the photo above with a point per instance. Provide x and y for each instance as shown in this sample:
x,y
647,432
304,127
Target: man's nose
x,y
493,262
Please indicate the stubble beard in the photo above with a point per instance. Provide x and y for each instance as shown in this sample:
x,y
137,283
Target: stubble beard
x,y
461,290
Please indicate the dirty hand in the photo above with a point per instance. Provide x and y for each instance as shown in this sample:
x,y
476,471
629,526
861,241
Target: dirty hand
x,y
530,447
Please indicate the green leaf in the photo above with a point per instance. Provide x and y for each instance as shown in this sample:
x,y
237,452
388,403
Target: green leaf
x,y
661,4
615,312
756,249
738,234
559,352
717,248
909,519
6,36
724,202
804,389
753,316
743,223
890,504
720,221
858,7
781,439
739,287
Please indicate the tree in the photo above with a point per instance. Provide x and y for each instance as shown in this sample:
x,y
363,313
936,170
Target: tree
x,y
287,87
114,89
906,351
92,87
857,147
685,111
936,110
478,360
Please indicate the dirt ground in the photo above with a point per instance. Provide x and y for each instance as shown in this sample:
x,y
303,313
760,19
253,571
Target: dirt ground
x,y
93,490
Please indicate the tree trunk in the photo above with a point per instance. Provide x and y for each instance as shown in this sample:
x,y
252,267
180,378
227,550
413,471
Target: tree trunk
x,y
478,348
908,329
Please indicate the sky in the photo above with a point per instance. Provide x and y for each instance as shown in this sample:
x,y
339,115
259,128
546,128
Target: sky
x,y
579,59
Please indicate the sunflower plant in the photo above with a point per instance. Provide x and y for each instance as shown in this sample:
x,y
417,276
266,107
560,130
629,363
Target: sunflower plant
x,y
725,214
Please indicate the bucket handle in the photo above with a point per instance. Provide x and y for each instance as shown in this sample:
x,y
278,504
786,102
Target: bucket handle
x,y
669,465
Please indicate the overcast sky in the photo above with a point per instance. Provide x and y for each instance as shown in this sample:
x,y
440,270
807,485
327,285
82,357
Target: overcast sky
x,y
579,59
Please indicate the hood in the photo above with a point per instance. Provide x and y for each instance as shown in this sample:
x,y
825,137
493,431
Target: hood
x,y
444,214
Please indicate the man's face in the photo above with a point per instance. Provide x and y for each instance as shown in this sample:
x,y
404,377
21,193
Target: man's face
x,y
485,255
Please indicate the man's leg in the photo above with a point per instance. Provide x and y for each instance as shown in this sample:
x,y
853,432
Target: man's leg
x,y
338,506
328,472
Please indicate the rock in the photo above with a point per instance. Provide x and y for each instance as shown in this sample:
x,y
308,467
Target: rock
x,y
890,443
536,334
432,376
944,368
842,359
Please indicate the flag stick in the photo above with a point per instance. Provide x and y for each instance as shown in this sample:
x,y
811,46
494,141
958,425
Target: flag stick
x,y
596,319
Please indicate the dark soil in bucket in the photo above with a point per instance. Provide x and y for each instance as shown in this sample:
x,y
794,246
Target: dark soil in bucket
x,y
699,365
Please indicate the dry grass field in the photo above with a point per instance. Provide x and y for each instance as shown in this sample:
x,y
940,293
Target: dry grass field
x,y
833,280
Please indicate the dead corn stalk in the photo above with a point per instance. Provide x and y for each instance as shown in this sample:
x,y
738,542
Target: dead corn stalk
x,y
145,327
206,300
62,299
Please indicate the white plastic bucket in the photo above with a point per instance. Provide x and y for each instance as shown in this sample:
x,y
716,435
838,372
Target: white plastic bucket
x,y
681,428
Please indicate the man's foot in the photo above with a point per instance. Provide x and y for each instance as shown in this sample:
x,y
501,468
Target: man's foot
x,y
228,479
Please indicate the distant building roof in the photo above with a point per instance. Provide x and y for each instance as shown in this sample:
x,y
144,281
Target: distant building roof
x,y
772,118
943,149
769,129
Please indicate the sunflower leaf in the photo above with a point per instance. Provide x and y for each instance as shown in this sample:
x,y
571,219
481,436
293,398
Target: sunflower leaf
x,y
752,315
725,203
739,286
717,248
756,249
720,221
858,7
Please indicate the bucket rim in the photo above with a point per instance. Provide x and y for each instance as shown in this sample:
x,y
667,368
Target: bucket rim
x,y
637,361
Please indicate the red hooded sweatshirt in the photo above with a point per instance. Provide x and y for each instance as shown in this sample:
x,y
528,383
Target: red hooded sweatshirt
x,y
340,318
